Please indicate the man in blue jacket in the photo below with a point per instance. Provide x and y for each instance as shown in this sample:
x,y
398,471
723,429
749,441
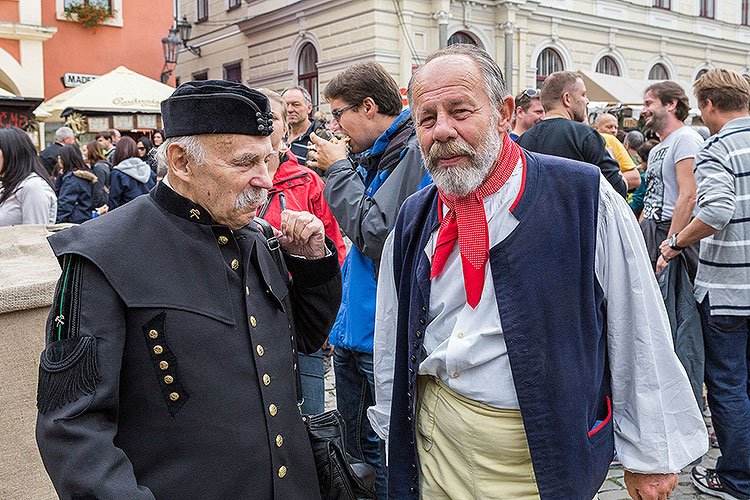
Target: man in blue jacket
x,y
520,335
365,199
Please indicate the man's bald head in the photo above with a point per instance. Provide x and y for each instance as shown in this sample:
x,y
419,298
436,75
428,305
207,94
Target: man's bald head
x,y
606,123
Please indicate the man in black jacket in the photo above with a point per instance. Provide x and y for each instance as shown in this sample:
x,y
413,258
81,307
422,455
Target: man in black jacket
x,y
63,137
562,132
177,381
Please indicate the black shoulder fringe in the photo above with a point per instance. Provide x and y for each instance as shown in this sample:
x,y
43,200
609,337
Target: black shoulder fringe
x,y
67,370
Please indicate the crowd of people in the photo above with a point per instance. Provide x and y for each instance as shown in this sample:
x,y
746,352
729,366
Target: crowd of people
x,y
544,331
86,181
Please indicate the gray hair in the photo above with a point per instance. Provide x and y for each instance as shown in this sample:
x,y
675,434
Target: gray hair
x,y
634,139
492,75
191,144
63,133
305,93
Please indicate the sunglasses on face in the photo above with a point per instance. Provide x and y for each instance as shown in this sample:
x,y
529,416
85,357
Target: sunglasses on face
x,y
141,148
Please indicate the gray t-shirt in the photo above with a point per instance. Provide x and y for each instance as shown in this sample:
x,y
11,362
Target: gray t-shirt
x,y
661,176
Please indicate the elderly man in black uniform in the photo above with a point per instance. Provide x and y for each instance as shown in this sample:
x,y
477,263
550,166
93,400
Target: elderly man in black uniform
x,y
169,369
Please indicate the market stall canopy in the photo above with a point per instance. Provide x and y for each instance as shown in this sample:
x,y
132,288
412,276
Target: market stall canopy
x,y
626,91
119,91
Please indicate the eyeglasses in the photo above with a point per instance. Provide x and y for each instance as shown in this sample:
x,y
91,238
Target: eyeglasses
x,y
338,112
141,148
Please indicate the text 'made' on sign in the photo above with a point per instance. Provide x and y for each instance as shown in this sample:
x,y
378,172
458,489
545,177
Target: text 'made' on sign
x,y
76,79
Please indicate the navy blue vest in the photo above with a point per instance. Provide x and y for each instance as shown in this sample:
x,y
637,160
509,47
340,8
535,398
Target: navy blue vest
x,y
553,317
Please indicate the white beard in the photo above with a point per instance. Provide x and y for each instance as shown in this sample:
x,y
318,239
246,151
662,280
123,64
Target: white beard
x,y
459,181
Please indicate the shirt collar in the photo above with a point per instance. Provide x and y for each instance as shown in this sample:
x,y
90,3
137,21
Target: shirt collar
x,y
386,136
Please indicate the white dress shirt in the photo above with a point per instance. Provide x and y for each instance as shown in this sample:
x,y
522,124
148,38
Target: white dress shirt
x,y
658,426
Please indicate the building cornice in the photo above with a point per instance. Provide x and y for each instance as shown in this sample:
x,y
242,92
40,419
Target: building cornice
x,y
19,31
285,14
603,25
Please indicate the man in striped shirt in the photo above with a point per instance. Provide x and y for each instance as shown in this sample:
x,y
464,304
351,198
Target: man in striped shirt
x,y
722,285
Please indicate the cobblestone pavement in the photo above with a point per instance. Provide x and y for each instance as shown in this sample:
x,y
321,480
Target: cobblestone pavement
x,y
614,487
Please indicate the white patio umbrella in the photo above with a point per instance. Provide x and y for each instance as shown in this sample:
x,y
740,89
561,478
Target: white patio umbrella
x,y
119,91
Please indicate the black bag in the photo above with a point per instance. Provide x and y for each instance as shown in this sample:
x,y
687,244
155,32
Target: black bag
x,y
340,475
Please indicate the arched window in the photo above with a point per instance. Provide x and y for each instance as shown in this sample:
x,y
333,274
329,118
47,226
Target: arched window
x,y
701,73
307,71
461,37
548,62
608,66
658,72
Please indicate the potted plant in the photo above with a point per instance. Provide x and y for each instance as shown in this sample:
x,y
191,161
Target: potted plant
x,y
89,14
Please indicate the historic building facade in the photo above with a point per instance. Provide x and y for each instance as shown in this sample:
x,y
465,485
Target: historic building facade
x,y
276,43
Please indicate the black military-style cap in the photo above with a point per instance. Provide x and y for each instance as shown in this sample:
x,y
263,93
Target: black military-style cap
x,y
216,107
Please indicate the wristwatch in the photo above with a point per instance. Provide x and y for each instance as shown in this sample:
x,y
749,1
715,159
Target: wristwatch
x,y
673,243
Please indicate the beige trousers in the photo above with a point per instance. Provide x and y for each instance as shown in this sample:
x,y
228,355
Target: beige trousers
x,y
469,450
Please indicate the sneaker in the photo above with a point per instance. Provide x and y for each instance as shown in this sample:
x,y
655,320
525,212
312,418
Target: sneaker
x,y
707,480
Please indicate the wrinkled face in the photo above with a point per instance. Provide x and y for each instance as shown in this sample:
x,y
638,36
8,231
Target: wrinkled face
x,y
297,108
578,101
458,127
654,111
607,125
279,126
233,182
526,119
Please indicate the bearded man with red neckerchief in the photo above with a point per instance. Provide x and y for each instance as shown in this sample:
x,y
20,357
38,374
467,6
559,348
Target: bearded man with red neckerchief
x,y
520,336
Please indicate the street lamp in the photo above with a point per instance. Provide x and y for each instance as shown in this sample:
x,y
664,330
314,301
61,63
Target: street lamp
x,y
169,44
184,26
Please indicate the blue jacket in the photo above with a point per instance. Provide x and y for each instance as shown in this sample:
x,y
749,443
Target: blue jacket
x,y
79,190
365,202
129,179
553,315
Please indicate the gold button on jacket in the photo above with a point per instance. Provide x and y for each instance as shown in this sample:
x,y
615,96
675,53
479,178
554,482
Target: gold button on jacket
x,y
168,379
223,240
282,471
153,334
158,349
266,379
272,410
260,350
235,264
174,396
253,321
279,440
163,365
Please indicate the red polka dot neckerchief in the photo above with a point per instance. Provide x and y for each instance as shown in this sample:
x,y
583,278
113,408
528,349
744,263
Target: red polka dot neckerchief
x,y
467,222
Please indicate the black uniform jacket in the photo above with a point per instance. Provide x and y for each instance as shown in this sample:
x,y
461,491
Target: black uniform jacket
x,y
169,370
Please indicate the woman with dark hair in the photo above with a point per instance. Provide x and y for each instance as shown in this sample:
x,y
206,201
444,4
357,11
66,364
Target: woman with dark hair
x,y
131,176
146,152
157,138
81,193
26,192
98,163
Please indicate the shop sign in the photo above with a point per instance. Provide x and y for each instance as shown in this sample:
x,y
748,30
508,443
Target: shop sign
x,y
76,79
10,118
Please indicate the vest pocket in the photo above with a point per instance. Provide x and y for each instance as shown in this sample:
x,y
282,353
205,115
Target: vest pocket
x,y
595,431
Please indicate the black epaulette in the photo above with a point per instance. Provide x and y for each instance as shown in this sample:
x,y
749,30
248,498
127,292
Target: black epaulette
x,y
68,366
